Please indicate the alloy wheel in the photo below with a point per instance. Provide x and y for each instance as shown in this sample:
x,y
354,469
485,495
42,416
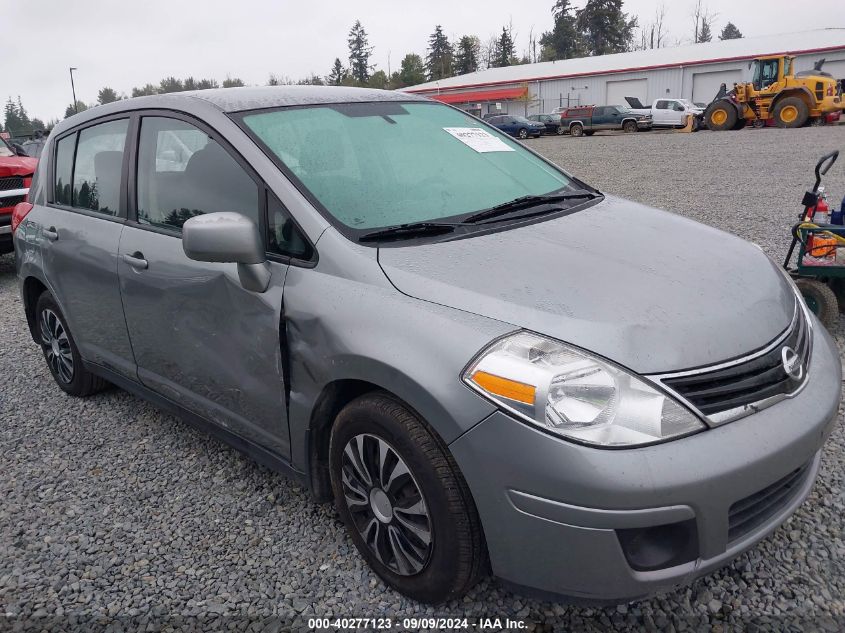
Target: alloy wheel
x,y
386,504
56,344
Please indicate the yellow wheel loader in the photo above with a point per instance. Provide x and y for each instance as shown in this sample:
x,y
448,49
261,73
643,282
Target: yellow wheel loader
x,y
777,96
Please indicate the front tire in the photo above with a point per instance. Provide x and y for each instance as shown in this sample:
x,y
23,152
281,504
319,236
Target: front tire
x,y
60,351
523,133
404,502
629,127
720,116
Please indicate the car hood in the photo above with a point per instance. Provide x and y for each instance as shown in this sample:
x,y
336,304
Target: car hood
x,y
648,289
17,166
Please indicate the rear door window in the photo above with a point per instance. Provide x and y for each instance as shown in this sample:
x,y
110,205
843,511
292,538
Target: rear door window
x,y
98,167
183,172
64,169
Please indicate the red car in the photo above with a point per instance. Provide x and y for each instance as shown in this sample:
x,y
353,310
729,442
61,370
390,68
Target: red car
x,y
15,178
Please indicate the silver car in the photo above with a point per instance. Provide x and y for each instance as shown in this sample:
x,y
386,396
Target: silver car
x,y
488,365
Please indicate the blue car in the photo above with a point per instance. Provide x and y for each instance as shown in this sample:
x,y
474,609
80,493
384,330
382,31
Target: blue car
x,y
517,126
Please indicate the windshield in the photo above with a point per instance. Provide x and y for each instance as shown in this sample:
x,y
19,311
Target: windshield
x,y
374,165
5,150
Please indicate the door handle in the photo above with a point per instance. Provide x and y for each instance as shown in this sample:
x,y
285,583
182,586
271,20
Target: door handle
x,y
136,260
51,234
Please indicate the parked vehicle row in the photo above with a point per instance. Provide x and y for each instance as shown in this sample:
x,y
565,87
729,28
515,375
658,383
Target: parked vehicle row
x,y
461,344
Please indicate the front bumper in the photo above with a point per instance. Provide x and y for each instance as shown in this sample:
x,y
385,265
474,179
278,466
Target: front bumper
x,y
554,512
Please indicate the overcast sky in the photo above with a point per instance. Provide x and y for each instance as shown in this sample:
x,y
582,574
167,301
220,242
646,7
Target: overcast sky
x,y
125,44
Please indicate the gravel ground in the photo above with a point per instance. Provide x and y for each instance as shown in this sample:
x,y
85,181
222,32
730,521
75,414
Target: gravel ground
x,y
111,509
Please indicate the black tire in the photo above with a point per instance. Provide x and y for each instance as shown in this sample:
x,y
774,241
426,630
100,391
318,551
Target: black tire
x,y
523,133
721,115
629,127
456,557
63,357
561,130
791,112
576,129
821,300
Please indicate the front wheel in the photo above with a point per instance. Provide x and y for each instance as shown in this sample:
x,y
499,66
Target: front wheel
x,y
720,116
523,133
60,351
629,127
404,502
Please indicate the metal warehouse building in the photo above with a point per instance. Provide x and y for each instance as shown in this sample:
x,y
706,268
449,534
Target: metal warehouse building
x,y
694,71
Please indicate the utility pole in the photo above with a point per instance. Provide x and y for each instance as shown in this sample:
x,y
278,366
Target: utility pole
x,y
73,89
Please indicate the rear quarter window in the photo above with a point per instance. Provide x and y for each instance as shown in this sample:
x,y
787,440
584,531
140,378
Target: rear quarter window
x,y
64,169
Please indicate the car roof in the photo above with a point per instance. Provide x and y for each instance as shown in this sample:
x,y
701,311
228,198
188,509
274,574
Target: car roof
x,y
240,99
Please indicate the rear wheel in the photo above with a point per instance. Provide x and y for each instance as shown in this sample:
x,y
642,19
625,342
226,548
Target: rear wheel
x,y
404,501
821,300
576,129
791,112
561,130
60,350
721,115
629,126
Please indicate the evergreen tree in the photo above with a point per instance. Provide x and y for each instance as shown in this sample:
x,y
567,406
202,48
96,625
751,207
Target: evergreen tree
x,y
411,71
605,28
23,117
730,32
206,84
170,84
106,95
10,112
359,54
438,60
189,84
503,53
467,55
70,111
563,41
704,34
233,82
311,80
337,74
38,124
144,91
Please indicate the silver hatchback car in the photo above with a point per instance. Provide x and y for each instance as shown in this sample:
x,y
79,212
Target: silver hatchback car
x,y
487,364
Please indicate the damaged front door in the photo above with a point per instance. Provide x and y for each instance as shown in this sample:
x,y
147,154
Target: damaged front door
x,y
199,338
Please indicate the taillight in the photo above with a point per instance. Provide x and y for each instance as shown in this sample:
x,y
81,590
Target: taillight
x,y
20,212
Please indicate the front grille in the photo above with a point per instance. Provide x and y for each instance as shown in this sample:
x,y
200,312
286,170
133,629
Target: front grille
x,y
12,182
748,514
738,387
10,202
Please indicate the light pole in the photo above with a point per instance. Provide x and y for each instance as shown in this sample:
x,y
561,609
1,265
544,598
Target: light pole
x,y
73,89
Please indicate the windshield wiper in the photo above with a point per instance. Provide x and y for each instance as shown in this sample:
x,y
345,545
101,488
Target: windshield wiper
x,y
526,202
410,230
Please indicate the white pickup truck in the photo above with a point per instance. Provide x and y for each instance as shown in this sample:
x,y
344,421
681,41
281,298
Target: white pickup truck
x,y
668,112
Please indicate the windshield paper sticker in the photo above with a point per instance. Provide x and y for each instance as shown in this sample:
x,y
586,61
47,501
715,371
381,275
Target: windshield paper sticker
x,y
478,139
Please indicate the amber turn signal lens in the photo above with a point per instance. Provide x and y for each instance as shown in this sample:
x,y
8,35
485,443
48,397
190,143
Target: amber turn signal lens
x,y
510,389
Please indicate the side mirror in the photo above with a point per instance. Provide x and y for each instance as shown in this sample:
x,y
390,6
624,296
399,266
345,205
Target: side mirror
x,y
228,237
19,150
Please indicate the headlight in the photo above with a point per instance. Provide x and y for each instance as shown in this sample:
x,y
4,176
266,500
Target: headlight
x,y
576,395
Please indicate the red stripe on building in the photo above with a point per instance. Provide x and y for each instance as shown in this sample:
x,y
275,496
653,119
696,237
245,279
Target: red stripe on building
x,y
482,95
